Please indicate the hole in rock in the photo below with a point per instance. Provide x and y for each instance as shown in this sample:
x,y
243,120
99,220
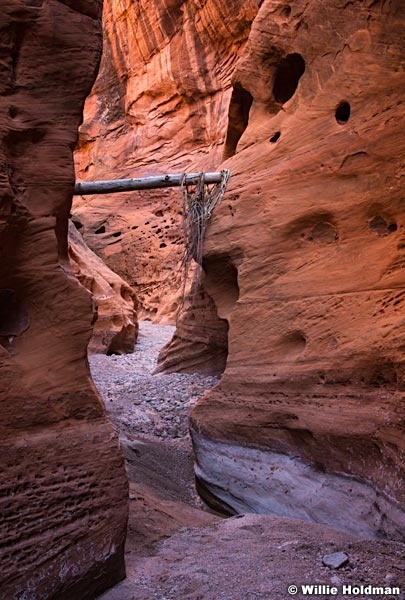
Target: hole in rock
x,y
162,245
13,111
76,222
342,112
221,283
14,319
275,137
324,233
289,72
380,226
238,118
116,234
286,11
314,227
291,344
100,230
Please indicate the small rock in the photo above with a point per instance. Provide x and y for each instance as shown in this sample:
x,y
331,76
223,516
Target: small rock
x,y
335,580
335,560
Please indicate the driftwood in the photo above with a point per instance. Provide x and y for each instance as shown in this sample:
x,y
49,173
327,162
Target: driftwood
x,y
145,183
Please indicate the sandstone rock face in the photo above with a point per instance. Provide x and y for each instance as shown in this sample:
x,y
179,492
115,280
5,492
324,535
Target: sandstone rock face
x,y
203,349
116,327
159,105
308,419
63,488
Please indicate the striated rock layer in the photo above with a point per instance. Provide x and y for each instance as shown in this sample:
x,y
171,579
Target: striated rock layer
x,y
159,105
115,329
63,488
304,259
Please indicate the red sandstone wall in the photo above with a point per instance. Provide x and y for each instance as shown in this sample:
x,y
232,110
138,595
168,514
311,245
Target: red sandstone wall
x,y
63,487
115,329
308,418
159,105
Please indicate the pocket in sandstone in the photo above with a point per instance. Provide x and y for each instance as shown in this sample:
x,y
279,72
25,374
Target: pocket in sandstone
x,y
14,319
238,118
221,283
318,227
289,71
290,345
382,227
358,162
342,112
323,233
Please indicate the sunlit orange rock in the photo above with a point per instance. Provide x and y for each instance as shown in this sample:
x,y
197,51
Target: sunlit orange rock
x,y
159,105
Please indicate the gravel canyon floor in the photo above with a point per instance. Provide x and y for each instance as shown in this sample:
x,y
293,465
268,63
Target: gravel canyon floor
x,y
178,550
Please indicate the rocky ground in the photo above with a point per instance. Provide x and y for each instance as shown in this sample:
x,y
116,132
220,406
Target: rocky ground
x,y
142,403
176,549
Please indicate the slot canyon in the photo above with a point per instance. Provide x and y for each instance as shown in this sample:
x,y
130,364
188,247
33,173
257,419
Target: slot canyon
x,y
219,418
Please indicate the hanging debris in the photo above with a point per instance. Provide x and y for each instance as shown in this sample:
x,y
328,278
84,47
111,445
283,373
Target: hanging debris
x,y
199,200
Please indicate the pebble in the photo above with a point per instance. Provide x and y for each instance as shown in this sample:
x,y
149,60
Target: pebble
x,y
335,560
140,401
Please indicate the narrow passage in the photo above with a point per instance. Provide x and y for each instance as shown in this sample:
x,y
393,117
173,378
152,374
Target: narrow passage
x,y
150,413
139,402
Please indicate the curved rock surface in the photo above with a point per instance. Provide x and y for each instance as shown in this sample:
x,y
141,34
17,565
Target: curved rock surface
x,y
308,419
159,105
115,329
63,487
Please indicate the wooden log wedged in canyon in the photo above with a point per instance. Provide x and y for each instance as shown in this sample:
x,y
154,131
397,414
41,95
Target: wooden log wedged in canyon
x,y
145,183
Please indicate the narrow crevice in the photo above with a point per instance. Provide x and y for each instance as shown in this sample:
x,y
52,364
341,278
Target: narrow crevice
x,y
238,118
287,76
